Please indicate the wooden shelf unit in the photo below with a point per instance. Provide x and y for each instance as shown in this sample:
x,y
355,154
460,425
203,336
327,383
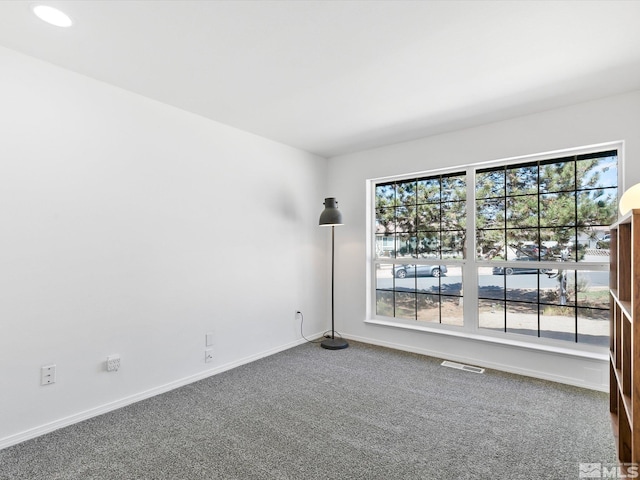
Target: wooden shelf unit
x,y
624,294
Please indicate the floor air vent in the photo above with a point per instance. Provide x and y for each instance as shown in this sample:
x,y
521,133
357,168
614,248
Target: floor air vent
x,y
460,366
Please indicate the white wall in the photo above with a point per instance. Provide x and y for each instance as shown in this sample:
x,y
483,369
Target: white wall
x,y
606,120
130,227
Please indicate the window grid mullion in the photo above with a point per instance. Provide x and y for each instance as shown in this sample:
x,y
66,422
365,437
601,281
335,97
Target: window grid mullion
x,y
519,235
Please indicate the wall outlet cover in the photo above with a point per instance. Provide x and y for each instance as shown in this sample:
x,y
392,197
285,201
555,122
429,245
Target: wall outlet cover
x,y
47,375
113,363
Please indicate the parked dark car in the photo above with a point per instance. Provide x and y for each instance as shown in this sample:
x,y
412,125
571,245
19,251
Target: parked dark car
x,y
518,270
402,271
531,251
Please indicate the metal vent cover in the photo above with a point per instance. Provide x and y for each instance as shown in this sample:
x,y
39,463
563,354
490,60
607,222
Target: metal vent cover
x,y
460,366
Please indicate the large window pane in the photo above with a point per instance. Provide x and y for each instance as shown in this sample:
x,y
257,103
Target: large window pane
x,y
534,223
554,211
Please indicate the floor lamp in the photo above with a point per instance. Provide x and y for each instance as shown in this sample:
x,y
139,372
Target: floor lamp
x,y
330,217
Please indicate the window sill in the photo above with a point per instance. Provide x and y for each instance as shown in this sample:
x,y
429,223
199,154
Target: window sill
x,y
558,350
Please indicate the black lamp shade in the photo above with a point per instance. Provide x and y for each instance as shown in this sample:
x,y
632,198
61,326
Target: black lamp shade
x,y
330,215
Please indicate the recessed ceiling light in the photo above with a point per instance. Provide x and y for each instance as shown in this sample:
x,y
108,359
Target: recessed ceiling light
x,y
52,15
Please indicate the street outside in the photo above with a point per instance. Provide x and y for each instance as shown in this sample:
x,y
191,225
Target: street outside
x,y
556,321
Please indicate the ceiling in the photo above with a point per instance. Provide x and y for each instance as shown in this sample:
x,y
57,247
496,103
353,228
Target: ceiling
x,y
332,77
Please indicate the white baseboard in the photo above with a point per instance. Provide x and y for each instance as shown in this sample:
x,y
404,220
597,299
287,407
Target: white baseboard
x,y
123,402
577,382
108,407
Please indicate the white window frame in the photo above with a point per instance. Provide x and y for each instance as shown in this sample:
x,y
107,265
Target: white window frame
x,y
470,328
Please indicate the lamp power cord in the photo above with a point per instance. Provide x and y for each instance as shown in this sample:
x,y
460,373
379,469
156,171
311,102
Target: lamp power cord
x,y
326,334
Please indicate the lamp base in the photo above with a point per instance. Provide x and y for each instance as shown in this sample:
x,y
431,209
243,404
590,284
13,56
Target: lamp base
x,y
334,344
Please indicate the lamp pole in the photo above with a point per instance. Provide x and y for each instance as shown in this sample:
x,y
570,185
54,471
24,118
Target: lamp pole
x,y
333,268
331,216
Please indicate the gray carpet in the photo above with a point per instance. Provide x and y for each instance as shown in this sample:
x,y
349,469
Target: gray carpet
x,y
308,413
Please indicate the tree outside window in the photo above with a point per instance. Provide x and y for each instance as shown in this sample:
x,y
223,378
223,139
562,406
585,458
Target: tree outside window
x,y
539,248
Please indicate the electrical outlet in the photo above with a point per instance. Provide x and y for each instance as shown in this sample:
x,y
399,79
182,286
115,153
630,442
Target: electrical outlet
x,y
208,355
113,363
48,375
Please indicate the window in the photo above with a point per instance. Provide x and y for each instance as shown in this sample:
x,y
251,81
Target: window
x,y
420,223
555,210
539,237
